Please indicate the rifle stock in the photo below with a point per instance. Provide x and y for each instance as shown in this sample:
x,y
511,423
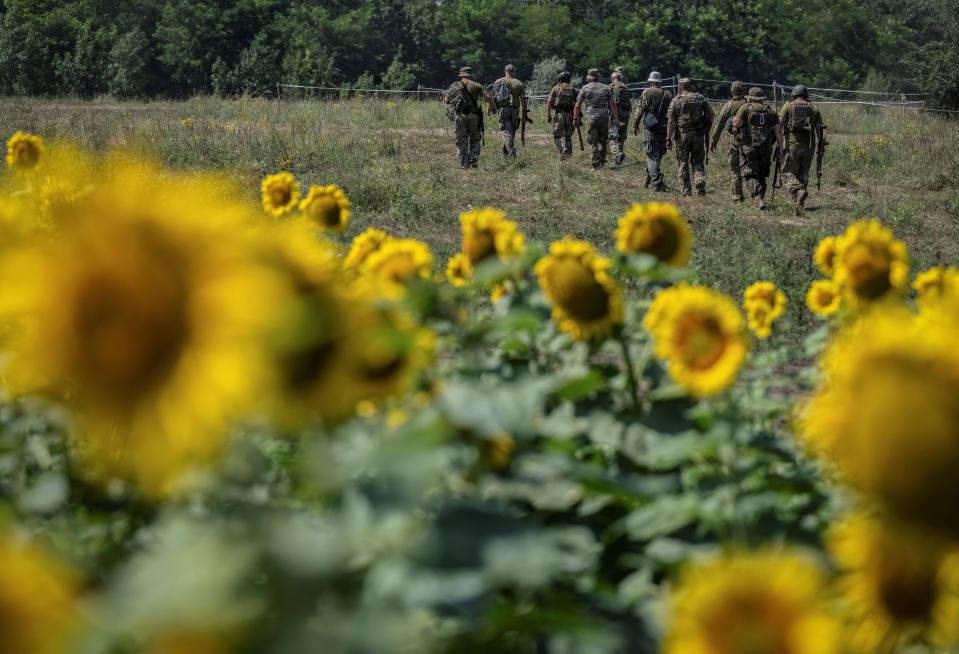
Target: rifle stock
x,y
579,133
777,153
820,152
525,119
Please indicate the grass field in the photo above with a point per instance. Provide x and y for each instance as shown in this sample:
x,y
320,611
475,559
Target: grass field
x,y
397,162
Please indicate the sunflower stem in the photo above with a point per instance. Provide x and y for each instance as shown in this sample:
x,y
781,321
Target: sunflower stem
x,y
631,379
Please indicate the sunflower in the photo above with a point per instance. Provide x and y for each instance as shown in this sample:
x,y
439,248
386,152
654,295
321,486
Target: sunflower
x,y
936,283
825,256
24,151
887,414
363,246
587,301
768,602
898,586
395,264
280,193
766,293
328,207
823,297
655,228
701,336
142,315
37,600
459,270
870,263
498,292
759,318
487,233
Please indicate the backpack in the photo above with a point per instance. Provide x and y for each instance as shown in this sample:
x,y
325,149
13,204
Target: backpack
x,y
502,93
458,102
622,98
760,123
566,97
800,117
691,114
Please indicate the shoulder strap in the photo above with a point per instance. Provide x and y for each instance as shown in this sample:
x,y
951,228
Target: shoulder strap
x,y
469,96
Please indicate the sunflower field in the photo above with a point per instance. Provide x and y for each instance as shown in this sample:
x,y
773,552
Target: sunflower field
x,y
226,428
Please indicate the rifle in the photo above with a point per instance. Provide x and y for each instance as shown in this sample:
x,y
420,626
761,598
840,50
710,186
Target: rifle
x,y
579,133
777,183
820,152
525,119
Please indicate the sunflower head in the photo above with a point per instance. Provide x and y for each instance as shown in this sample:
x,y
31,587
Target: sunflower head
x,y
655,228
825,256
487,233
701,336
870,263
823,297
587,301
280,194
459,270
937,283
498,292
768,294
768,602
363,246
24,152
328,207
397,263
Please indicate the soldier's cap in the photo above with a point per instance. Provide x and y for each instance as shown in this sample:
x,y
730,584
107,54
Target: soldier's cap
x,y
800,91
466,71
593,72
756,93
736,89
655,76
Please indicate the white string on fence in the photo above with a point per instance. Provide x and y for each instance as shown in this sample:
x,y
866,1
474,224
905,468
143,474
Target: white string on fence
x,y
350,89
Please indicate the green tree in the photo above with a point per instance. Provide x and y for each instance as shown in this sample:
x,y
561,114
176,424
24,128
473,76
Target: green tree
x,y
128,71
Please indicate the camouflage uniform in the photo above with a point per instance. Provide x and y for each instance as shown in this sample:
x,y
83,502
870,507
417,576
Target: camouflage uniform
x,y
757,138
617,146
802,123
563,116
510,113
595,96
692,117
726,115
467,124
654,100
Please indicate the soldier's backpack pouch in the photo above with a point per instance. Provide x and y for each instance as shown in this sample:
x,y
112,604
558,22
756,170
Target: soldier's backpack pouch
x,y
566,98
801,118
758,128
690,114
502,93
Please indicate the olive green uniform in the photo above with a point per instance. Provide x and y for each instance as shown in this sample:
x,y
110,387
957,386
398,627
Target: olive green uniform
x,y
656,101
802,123
595,111
621,97
757,136
563,96
468,123
692,117
510,113
726,115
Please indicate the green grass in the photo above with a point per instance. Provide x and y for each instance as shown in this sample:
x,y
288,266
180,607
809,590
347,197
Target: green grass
x,y
397,162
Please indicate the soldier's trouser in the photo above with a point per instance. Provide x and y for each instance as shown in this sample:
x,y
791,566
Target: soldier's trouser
x,y
796,167
617,146
735,165
691,152
597,131
563,131
467,136
655,149
756,163
508,122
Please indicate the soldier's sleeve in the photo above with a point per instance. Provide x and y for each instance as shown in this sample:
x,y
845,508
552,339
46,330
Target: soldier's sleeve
x,y
743,112
720,122
784,113
672,110
580,96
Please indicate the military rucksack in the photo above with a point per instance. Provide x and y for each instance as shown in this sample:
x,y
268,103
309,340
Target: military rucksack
x,y
760,121
691,112
565,97
621,97
460,101
502,93
800,117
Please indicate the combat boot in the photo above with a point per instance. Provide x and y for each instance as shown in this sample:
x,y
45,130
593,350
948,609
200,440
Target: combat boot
x,y
661,187
801,199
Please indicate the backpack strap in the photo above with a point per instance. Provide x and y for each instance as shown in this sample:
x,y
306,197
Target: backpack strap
x,y
469,97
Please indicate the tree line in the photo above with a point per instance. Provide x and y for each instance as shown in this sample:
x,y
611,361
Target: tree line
x,y
175,48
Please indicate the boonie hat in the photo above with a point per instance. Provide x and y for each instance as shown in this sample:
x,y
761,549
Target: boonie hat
x,y
466,71
756,93
655,76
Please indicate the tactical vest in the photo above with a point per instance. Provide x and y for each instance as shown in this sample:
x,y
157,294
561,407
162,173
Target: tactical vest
x,y
565,97
800,117
622,98
760,122
692,112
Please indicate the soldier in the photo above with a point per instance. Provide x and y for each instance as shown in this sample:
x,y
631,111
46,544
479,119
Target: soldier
x,y
690,118
724,124
508,93
756,123
463,108
621,98
562,98
804,129
599,105
651,116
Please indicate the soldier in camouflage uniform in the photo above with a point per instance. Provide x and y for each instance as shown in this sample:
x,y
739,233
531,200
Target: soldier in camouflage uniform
x,y
561,100
756,124
621,98
724,124
690,118
596,119
463,107
510,106
804,129
654,102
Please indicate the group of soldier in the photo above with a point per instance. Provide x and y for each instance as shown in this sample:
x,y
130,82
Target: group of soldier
x,y
686,123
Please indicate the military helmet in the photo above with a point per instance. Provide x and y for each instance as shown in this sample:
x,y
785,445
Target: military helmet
x,y
466,71
756,93
655,76
736,89
799,91
594,73
565,76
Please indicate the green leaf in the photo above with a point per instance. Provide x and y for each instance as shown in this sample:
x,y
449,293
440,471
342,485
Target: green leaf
x,y
663,516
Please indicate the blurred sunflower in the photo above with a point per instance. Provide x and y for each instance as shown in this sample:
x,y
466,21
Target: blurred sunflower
x,y
937,282
587,301
825,256
823,297
142,317
766,293
767,602
395,264
887,413
24,151
870,263
459,270
280,193
487,233
363,246
759,318
38,611
898,586
328,207
701,336
498,292
655,228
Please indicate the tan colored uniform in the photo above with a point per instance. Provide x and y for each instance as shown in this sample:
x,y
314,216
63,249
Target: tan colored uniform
x,y
621,97
692,116
595,109
510,114
726,114
802,123
468,124
654,100
563,96
757,138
